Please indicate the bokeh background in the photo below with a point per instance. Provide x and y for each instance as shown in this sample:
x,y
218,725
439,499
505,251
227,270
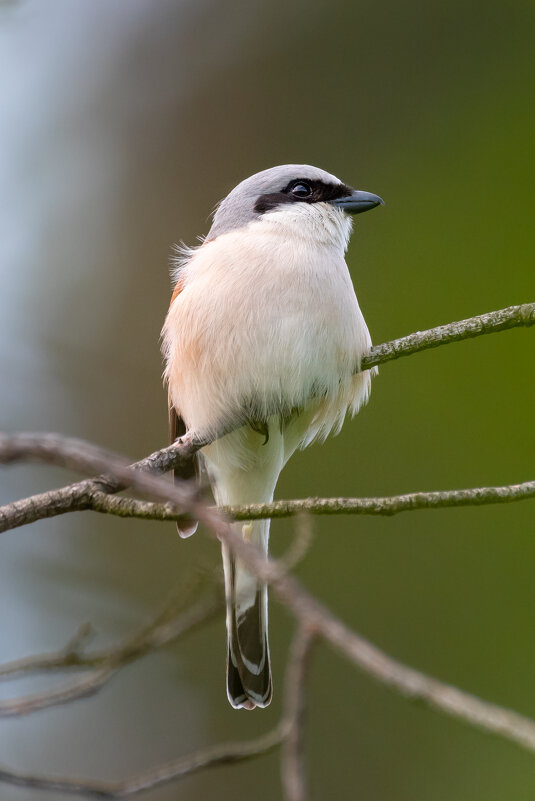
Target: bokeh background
x,y
121,126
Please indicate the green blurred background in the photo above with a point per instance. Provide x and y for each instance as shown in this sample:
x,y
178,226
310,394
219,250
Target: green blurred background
x,y
122,125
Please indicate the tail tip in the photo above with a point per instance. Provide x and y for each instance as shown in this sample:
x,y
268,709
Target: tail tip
x,y
248,703
186,528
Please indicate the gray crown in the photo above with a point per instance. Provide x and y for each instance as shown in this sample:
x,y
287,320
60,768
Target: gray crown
x,y
238,208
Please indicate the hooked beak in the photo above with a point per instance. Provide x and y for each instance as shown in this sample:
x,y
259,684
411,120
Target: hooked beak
x,y
357,202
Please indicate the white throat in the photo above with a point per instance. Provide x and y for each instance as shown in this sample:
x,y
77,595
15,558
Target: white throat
x,y
317,223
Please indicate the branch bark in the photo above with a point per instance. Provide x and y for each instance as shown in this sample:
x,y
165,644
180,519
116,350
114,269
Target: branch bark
x,y
293,772
388,505
184,766
406,680
489,323
104,664
90,494
314,620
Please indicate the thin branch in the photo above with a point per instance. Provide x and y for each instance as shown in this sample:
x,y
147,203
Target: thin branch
x,y
71,656
76,454
81,495
300,544
292,756
306,609
184,766
289,733
409,682
68,692
89,494
104,663
165,627
405,680
387,505
490,323
118,475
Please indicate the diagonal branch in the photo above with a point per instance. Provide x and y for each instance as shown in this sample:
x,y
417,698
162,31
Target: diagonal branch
x,y
87,494
312,616
184,766
489,323
406,680
409,682
103,664
76,454
287,733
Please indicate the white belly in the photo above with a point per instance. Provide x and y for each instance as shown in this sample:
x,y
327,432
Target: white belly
x,y
263,327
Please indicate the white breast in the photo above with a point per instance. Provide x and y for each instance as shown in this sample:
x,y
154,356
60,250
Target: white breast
x,y
268,321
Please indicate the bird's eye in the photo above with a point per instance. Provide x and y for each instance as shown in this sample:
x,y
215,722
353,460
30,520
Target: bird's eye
x,y
301,190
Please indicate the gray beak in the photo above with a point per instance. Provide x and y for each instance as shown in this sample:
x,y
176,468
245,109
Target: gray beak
x,y
357,202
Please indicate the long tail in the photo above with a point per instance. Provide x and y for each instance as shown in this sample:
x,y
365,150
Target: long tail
x,y
248,664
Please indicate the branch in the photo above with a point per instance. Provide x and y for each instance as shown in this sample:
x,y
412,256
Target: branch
x,y
490,323
409,682
302,604
292,757
311,614
89,494
76,454
389,505
305,608
104,664
288,733
72,655
184,766
314,619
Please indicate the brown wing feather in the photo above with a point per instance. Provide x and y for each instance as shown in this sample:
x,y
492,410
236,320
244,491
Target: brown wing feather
x,y
187,472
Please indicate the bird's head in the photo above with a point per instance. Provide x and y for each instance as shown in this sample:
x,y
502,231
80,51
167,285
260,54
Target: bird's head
x,y
299,195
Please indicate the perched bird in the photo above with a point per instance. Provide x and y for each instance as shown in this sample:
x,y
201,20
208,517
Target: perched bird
x,y
262,339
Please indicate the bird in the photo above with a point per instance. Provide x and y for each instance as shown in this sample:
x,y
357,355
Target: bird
x,y
262,345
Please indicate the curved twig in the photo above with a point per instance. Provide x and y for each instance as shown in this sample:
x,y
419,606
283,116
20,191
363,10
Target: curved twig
x,y
225,754
315,620
85,494
307,610
103,664
489,323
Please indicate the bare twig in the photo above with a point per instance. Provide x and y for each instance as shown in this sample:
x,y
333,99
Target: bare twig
x,y
184,766
300,544
292,757
79,498
103,664
72,655
289,733
406,680
76,454
68,692
388,505
409,682
315,621
90,494
490,323
85,494
306,609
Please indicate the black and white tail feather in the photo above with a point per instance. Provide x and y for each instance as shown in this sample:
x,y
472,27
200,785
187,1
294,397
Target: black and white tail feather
x,y
248,662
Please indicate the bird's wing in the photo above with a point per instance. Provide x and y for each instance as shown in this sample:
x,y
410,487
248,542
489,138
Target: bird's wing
x,y
188,471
